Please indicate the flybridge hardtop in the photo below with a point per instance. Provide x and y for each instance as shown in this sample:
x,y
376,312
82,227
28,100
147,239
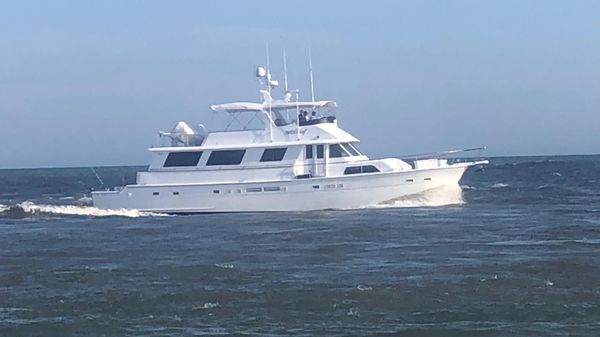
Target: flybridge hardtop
x,y
274,106
296,159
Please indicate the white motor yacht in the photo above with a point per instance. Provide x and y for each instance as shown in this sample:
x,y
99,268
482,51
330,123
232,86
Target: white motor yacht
x,y
298,159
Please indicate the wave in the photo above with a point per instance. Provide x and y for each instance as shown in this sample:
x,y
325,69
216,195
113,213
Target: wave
x,y
85,201
224,265
441,196
500,185
544,242
28,209
207,305
528,163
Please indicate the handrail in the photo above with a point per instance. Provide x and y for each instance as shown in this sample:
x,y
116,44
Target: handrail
x,y
433,155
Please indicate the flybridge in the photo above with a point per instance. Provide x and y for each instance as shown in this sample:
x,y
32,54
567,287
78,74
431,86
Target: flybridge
x,y
284,116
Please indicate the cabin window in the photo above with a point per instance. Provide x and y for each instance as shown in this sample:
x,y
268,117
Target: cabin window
x,y
226,157
179,159
155,193
309,153
254,189
353,170
355,148
272,189
369,169
361,169
273,154
350,148
320,151
337,151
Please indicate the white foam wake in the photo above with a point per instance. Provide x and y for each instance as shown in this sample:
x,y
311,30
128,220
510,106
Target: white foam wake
x,y
441,196
31,208
500,185
85,201
3,208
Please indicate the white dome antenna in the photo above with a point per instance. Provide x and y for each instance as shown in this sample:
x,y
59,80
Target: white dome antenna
x,y
261,72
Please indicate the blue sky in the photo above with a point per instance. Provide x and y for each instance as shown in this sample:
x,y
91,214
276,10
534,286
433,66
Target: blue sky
x,y
92,82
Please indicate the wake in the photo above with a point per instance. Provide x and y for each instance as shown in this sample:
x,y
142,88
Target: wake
x,y
30,209
440,196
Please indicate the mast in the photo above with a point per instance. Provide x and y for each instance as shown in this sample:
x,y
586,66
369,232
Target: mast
x,y
270,97
312,83
285,75
296,91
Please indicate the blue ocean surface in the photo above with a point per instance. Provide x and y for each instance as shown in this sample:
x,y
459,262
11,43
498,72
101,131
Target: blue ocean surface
x,y
515,253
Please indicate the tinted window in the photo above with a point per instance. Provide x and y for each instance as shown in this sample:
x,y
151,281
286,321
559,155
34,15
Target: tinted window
x,y
182,159
361,169
336,151
227,157
309,154
352,170
369,169
254,189
273,154
319,151
351,149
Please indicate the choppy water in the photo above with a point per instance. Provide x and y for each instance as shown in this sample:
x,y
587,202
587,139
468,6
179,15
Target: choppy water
x,y
517,254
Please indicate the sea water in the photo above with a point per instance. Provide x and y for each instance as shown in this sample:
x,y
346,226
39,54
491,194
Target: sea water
x,y
514,252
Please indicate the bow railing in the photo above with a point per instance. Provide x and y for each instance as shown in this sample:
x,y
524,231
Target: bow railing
x,y
475,152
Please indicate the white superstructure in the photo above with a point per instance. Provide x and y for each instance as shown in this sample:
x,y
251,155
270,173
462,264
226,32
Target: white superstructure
x,y
289,164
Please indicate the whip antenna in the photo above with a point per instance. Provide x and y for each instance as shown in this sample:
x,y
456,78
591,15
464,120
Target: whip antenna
x,y
285,75
312,82
269,83
97,176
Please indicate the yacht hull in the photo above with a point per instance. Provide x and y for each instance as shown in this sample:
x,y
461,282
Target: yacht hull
x,y
345,192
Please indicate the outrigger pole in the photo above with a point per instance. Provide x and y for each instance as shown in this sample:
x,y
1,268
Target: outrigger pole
x,y
287,91
270,97
285,75
297,115
285,81
312,83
